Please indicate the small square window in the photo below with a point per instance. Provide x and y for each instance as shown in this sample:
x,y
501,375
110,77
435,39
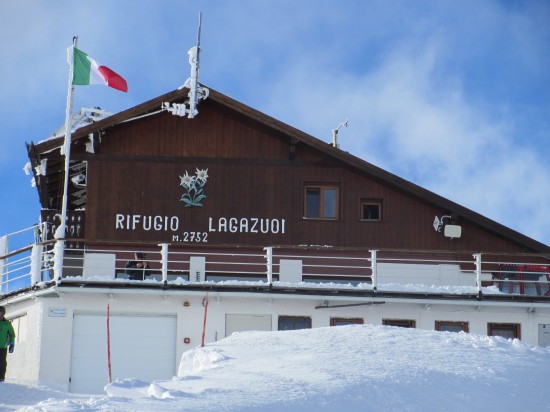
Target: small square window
x,y
371,210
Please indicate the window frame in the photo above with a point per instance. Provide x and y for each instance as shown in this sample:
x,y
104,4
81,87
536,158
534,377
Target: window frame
x,y
410,323
322,187
465,326
372,202
516,327
346,321
282,318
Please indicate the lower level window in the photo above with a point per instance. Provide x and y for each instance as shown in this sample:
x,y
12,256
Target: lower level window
x,y
402,323
294,322
505,330
345,321
447,326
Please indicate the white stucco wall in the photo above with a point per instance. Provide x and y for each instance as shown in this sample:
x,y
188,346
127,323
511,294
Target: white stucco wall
x,y
23,363
45,355
427,274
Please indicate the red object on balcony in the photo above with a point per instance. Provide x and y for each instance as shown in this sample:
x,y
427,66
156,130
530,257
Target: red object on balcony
x,y
523,279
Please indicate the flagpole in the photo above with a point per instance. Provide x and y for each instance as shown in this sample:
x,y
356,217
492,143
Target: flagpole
x,y
197,70
60,232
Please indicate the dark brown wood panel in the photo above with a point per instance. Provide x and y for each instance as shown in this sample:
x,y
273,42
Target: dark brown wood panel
x,y
240,195
257,169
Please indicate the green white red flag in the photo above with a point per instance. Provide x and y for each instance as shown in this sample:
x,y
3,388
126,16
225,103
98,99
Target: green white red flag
x,y
87,71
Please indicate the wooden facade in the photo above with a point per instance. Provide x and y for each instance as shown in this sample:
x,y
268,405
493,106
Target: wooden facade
x,y
258,170
283,230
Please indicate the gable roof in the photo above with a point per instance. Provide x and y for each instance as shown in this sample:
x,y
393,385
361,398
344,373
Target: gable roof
x,y
153,106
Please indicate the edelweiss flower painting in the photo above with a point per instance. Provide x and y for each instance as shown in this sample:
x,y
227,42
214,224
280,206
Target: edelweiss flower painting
x,y
194,187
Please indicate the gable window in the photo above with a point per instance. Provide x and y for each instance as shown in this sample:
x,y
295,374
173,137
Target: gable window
x,y
321,201
402,323
505,330
371,210
446,326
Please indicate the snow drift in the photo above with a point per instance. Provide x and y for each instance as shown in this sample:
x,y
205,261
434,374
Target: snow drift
x,y
351,368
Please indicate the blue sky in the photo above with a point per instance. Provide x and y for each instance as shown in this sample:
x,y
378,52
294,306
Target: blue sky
x,y
453,96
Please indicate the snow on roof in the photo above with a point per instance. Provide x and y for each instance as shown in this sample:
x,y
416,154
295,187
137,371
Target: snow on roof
x,y
84,117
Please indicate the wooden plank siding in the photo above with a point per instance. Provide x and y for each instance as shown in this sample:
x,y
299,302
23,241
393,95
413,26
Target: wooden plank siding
x,y
257,169
137,166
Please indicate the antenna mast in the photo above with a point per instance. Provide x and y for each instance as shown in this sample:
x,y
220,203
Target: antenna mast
x,y
193,98
196,92
335,133
199,43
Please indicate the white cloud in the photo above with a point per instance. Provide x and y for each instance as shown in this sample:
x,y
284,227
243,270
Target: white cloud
x,y
453,96
411,115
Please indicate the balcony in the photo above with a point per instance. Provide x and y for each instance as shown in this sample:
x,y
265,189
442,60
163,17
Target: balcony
x,y
278,269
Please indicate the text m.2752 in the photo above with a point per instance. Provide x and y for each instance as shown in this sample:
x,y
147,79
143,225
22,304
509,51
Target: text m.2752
x,y
189,237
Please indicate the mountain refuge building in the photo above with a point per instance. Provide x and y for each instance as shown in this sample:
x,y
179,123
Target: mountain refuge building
x,y
242,223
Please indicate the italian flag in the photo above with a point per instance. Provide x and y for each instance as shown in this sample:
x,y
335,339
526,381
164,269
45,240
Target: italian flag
x,y
87,71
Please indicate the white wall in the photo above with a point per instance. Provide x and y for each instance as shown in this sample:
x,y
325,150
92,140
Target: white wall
x,y
23,363
426,274
45,355
55,353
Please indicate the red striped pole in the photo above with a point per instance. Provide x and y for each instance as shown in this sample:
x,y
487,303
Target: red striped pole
x,y
109,344
204,322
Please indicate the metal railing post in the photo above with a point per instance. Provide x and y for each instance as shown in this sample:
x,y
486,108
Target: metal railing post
x,y
269,263
164,261
58,251
36,264
374,268
477,257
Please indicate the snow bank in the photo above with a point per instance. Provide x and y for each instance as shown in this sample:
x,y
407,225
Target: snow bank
x,y
348,368
200,359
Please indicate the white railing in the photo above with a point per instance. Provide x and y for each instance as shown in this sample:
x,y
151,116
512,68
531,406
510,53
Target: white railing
x,y
15,266
301,266
16,273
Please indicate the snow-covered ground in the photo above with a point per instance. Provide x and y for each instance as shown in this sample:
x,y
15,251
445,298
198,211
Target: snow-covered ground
x,y
346,368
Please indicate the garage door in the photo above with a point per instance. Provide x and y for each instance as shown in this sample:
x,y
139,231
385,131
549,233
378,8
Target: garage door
x,y
241,323
142,347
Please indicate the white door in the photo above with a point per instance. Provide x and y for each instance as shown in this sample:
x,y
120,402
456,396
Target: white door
x,y
142,347
544,335
241,323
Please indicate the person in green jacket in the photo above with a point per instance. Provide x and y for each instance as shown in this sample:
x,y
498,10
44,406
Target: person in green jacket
x,y
7,342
